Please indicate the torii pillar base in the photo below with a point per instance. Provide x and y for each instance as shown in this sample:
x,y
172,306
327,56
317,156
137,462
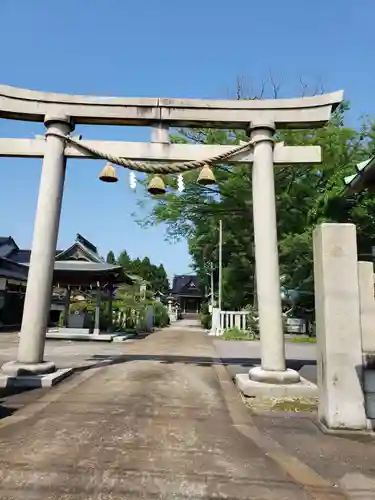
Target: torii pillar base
x,y
31,375
287,384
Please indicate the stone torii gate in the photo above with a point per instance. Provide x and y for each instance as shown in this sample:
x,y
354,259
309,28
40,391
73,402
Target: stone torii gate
x,y
61,113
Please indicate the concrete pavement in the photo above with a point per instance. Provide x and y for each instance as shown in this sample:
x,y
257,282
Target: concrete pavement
x,y
162,420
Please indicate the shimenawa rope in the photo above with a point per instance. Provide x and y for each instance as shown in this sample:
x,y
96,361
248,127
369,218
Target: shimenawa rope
x,y
171,168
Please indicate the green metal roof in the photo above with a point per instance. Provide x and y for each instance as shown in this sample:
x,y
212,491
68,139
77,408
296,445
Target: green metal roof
x,y
364,176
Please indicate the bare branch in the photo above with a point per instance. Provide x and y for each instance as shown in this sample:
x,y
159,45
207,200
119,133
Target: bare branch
x,y
275,86
304,87
262,89
244,90
239,86
319,87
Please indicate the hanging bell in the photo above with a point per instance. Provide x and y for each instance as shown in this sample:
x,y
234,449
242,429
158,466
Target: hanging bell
x,y
156,185
108,174
206,176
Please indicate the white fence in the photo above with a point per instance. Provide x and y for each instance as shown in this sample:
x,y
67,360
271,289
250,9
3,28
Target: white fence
x,y
223,320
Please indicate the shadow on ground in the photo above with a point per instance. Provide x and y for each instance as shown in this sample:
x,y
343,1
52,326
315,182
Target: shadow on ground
x,y
13,399
6,411
103,360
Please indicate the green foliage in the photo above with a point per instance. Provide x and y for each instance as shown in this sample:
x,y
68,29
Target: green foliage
x,y
129,308
252,324
161,316
303,340
155,276
124,260
206,321
61,320
306,195
236,334
205,317
87,306
111,259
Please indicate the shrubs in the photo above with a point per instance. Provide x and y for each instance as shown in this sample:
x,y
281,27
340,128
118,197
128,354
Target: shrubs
x,y
161,316
205,317
129,312
206,321
252,321
252,327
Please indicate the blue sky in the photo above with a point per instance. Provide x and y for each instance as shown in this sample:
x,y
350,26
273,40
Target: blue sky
x,y
163,49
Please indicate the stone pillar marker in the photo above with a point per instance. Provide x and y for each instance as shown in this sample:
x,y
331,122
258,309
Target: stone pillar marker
x,y
367,305
39,284
170,306
273,368
338,327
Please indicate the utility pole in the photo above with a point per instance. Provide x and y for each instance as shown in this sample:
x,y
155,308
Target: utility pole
x,y
220,261
212,286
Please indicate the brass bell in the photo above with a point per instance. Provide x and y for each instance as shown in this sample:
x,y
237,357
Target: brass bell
x,y
108,174
156,185
206,176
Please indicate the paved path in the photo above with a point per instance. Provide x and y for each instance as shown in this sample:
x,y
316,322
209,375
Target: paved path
x,y
162,421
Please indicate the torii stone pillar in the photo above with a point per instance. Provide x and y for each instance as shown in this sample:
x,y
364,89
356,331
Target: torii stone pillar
x,y
273,369
38,293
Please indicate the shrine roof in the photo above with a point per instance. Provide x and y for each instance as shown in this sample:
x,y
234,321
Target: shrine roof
x,y
78,272
5,239
186,285
363,178
80,264
12,270
85,266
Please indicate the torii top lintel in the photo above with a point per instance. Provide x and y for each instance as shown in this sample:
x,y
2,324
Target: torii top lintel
x,y
304,112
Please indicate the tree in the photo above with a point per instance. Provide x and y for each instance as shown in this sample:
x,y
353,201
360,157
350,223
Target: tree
x,y
160,282
305,196
124,261
156,276
111,258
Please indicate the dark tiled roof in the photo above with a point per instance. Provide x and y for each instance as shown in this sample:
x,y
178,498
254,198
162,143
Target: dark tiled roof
x,y
12,270
22,256
4,239
67,270
81,265
87,251
185,284
86,243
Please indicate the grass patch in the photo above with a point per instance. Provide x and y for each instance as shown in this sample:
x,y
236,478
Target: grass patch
x,y
303,340
237,334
